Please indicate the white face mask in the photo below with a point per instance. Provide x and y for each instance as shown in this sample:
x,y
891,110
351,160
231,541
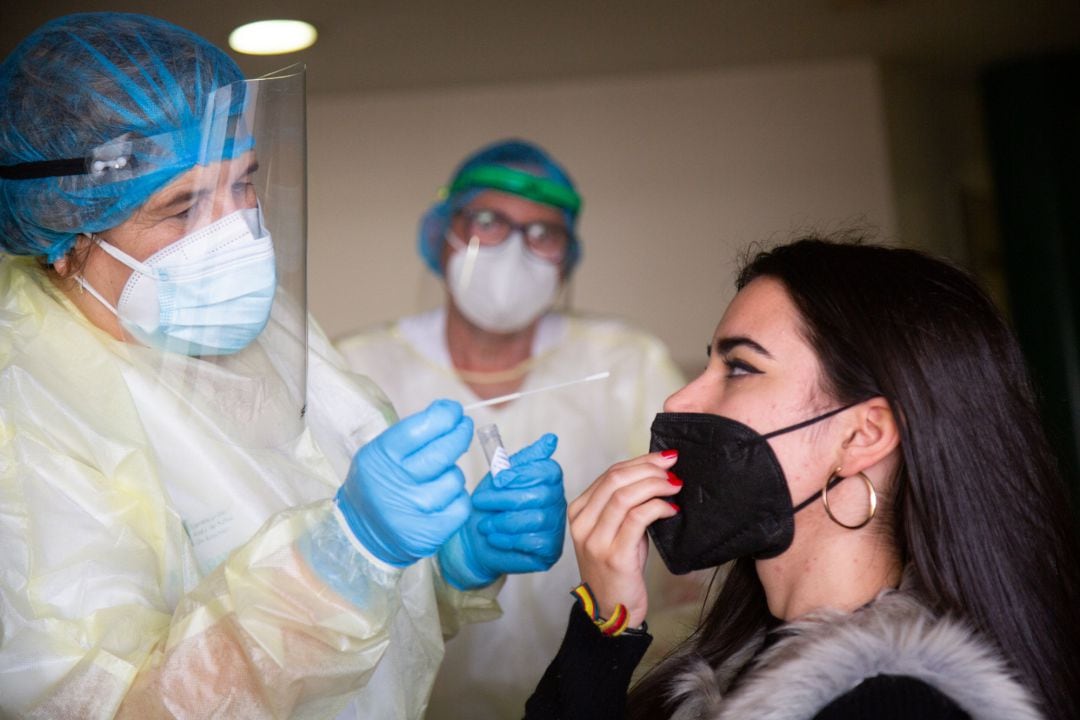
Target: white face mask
x,y
208,293
507,286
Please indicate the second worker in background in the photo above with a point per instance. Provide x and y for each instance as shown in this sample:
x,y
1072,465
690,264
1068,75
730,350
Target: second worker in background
x,y
504,241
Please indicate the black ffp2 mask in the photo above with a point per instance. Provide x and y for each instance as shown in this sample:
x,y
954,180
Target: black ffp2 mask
x,y
735,500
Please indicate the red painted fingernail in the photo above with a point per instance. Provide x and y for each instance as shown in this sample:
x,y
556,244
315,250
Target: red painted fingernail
x,y
673,479
677,508
669,453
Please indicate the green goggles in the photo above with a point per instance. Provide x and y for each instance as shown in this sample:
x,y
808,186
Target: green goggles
x,y
517,182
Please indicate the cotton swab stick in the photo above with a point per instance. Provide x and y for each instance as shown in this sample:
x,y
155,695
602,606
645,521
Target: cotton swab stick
x,y
523,393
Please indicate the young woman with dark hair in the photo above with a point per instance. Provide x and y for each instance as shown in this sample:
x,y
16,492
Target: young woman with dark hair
x,y
864,445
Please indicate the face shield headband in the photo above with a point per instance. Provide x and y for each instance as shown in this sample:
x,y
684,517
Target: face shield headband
x,y
517,182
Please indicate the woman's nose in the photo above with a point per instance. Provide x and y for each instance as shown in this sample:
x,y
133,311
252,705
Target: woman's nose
x,y
685,399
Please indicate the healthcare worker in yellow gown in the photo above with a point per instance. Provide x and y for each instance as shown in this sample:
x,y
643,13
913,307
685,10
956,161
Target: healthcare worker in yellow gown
x,y
504,240
201,513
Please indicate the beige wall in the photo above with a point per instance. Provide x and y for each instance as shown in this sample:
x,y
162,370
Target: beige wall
x,y
678,172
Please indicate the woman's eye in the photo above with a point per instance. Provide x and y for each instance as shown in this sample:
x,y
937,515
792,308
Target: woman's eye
x,y
738,368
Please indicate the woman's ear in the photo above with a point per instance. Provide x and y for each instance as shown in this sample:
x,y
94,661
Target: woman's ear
x,y
62,266
872,436
72,259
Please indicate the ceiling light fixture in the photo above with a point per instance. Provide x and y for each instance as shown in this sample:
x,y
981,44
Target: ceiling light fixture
x,y
272,37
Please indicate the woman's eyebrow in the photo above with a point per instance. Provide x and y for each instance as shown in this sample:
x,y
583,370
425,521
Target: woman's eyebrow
x,y
727,344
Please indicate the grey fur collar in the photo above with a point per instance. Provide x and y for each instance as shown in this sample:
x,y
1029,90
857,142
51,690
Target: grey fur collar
x,y
830,653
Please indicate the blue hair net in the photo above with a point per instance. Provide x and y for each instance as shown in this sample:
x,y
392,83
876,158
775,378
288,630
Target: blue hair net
x,y
517,154
84,83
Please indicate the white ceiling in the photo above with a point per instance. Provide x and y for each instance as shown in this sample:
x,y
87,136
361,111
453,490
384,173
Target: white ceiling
x,y
377,45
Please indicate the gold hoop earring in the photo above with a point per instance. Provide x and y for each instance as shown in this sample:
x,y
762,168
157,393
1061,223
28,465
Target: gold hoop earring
x,y
869,489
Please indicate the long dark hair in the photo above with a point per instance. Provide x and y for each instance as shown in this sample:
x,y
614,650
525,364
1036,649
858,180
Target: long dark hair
x,y
980,512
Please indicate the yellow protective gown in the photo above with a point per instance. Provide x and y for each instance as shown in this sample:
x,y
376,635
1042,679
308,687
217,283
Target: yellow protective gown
x,y
158,562
492,668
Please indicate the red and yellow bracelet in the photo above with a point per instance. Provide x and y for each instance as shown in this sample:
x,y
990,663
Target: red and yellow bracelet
x,y
613,626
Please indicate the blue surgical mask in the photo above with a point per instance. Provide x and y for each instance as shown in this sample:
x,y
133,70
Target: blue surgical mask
x,y
208,293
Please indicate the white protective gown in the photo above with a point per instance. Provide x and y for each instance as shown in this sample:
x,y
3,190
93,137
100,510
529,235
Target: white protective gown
x,y
491,668
157,562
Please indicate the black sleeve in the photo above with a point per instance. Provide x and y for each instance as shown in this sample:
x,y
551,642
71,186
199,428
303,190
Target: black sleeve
x,y
590,675
892,697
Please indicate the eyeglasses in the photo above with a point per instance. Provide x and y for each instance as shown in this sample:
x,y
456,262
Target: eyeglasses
x,y
549,241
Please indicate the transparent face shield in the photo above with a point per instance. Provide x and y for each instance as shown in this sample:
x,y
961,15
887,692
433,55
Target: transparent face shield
x,y
215,306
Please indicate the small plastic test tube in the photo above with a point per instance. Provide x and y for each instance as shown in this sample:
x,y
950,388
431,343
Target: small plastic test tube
x,y
498,460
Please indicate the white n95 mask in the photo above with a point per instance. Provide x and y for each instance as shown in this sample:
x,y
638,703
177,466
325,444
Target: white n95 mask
x,y
505,287
208,293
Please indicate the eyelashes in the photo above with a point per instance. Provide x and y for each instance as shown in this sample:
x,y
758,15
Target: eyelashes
x,y
738,368
735,366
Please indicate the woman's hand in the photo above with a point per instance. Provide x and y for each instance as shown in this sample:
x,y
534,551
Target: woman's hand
x,y
608,523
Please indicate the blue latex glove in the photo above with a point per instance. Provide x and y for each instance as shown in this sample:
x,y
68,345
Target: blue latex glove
x,y
516,528
404,496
